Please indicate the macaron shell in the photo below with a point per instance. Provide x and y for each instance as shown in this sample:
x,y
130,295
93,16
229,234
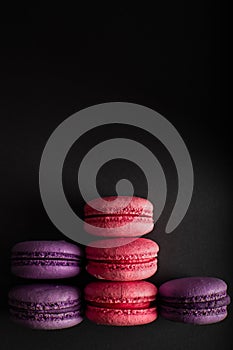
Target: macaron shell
x,y
47,246
105,291
190,287
122,272
122,249
199,317
121,317
51,271
44,293
197,305
119,226
61,321
123,205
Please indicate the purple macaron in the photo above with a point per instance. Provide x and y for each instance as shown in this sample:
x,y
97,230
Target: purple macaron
x,y
45,306
197,300
45,259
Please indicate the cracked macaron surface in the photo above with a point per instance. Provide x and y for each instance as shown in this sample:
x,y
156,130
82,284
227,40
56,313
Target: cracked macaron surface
x,y
45,259
121,303
45,306
122,259
124,217
197,300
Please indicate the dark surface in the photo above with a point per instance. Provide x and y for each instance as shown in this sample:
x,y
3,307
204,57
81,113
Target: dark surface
x,y
172,59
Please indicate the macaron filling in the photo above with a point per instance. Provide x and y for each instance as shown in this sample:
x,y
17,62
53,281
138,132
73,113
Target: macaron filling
x,y
44,258
45,311
142,303
195,312
203,305
137,207
149,215
124,261
119,219
28,305
49,316
224,301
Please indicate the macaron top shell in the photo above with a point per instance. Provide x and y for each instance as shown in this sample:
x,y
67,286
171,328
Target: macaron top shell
x,y
122,249
120,292
122,206
202,288
54,296
44,249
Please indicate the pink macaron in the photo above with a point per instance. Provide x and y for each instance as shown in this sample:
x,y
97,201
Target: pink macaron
x,y
119,216
122,259
121,303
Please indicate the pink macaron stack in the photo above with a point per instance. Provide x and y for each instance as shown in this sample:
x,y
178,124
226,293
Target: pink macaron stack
x,y
122,260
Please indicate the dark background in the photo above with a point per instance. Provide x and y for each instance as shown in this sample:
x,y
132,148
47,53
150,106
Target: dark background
x,y
171,58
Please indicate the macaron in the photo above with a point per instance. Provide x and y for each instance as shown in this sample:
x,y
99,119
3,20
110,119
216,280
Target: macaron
x,y
197,300
121,303
122,259
119,216
45,306
45,259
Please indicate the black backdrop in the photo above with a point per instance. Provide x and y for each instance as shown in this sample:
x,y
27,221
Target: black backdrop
x,y
171,58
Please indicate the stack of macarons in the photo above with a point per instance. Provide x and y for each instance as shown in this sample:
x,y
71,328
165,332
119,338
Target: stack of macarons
x,y
123,261
120,262
46,305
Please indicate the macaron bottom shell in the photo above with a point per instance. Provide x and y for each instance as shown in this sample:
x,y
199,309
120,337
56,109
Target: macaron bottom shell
x,y
47,321
122,272
119,227
198,317
121,317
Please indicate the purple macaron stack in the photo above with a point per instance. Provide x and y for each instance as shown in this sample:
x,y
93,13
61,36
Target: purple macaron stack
x,y
46,306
